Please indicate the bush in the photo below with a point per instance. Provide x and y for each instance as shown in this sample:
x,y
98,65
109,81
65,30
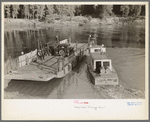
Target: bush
x,y
85,21
80,24
53,17
80,19
42,20
68,19
50,21
89,18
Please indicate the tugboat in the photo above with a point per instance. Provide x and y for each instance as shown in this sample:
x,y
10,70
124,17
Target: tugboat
x,y
99,65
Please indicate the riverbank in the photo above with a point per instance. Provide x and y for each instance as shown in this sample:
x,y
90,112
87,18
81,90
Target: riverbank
x,y
25,24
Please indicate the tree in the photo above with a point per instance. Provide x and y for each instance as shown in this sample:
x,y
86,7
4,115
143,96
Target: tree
x,y
104,10
32,10
125,10
87,9
143,10
37,10
135,10
109,9
41,11
7,9
15,9
50,9
77,9
131,9
68,10
26,11
116,10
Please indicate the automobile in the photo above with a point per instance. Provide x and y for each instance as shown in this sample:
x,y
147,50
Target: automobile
x,y
62,50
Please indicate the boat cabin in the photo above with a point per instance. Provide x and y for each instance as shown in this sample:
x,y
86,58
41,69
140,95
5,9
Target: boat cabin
x,y
100,67
100,63
97,49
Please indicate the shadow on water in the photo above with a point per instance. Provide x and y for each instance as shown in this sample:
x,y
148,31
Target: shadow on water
x,y
80,65
53,89
32,88
41,89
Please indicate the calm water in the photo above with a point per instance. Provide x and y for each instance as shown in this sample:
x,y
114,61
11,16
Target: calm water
x,y
111,36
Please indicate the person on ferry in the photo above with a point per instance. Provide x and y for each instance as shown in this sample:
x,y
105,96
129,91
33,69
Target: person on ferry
x,y
103,70
102,49
57,39
39,53
98,69
108,69
47,49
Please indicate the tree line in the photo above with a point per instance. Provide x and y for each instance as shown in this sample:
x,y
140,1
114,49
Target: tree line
x,y
35,11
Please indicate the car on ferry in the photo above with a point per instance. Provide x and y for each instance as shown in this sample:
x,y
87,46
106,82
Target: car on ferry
x,y
63,49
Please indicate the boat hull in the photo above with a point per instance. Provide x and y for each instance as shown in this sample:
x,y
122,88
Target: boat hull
x,y
102,79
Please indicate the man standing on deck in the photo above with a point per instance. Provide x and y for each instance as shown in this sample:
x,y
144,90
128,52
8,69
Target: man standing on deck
x,y
57,38
47,49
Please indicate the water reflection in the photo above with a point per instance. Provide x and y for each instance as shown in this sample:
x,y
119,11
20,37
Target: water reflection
x,y
17,41
110,35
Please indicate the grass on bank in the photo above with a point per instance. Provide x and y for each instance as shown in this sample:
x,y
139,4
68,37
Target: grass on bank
x,y
68,20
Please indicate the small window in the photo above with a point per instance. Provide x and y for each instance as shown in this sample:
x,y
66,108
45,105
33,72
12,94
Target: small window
x,y
97,50
106,64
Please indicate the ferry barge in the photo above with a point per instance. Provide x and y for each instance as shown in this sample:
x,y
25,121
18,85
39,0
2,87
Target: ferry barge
x,y
31,68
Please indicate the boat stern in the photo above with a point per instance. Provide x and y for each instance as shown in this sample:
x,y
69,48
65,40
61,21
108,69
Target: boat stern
x,y
106,81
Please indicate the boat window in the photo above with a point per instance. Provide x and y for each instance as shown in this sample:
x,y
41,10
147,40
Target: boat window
x,y
97,50
106,64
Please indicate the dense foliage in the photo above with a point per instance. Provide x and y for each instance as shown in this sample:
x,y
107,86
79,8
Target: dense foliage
x,y
30,11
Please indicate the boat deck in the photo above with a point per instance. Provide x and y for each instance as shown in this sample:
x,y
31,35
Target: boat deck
x,y
42,70
97,56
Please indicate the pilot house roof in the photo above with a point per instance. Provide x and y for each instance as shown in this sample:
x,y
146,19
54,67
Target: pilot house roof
x,y
97,56
95,46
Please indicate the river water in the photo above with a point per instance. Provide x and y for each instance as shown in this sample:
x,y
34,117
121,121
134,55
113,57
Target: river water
x,y
111,36
127,39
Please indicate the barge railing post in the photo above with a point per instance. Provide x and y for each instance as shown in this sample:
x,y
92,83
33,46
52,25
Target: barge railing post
x,y
89,40
76,45
63,65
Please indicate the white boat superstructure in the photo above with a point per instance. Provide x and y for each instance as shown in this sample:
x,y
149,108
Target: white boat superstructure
x,y
100,66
